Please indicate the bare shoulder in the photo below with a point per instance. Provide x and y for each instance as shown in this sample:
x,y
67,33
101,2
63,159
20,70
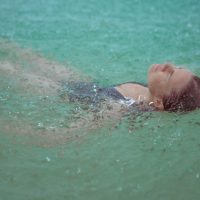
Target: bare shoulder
x,y
129,85
132,90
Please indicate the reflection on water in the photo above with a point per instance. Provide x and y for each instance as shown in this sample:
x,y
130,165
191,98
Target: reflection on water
x,y
33,98
43,97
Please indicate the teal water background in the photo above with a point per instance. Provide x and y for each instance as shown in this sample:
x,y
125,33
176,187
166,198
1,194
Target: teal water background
x,y
110,40
157,157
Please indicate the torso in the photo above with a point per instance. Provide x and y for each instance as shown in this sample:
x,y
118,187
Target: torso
x,y
135,91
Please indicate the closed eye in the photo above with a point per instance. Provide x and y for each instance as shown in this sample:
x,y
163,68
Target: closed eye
x,y
169,76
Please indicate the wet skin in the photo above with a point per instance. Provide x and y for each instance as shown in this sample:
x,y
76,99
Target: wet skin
x,y
162,80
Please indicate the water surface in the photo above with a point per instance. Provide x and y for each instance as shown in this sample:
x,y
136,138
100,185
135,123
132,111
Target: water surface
x,y
51,148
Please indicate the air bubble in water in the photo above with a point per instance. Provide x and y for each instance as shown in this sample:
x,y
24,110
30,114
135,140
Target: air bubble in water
x,y
48,159
40,125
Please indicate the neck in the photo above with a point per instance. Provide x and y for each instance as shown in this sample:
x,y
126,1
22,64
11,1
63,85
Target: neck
x,y
143,95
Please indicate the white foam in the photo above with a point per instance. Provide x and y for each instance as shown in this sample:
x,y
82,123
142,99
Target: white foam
x,y
128,101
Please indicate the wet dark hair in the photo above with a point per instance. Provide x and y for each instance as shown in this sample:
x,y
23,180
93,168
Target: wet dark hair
x,y
186,100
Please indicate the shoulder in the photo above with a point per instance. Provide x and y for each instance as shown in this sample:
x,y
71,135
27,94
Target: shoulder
x,y
129,86
131,83
132,90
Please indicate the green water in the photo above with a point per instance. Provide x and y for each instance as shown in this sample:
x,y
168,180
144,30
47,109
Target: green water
x,y
53,149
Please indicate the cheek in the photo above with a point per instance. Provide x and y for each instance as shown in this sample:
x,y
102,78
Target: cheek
x,y
157,83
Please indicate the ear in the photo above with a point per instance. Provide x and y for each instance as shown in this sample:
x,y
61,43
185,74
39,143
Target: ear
x,y
158,103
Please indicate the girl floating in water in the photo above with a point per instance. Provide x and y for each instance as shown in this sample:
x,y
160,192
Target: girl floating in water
x,y
169,88
36,82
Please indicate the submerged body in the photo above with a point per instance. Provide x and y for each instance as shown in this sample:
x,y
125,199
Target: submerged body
x,y
169,88
90,92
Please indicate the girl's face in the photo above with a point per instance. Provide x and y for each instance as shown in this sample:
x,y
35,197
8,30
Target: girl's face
x,y
165,78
